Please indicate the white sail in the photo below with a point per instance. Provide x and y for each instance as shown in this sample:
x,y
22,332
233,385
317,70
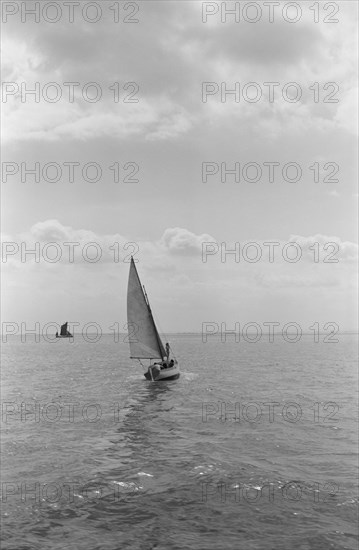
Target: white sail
x,y
144,339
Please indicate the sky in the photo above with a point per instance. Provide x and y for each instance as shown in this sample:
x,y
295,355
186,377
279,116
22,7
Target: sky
x,y
169,138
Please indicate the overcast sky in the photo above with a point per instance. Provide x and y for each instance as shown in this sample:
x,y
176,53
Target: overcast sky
x,y
170,212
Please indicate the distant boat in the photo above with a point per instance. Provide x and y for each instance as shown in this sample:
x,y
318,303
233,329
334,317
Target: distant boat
x,y
144,340
64,333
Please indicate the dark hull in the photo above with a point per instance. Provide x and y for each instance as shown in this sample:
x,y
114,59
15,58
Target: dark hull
x,y
174,377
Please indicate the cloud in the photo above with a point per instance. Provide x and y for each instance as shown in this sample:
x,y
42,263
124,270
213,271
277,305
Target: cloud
x,y
149,119
180,241
330,248
347,112
57,245
181,52
174,275
155,255
278,45
51,231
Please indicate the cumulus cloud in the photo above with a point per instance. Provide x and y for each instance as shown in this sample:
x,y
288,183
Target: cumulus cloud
x,y
174,241
51,231
180,241
58,244
329,247
172,271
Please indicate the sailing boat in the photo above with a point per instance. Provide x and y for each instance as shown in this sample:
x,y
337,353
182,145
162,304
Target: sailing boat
x,y
144,340
64,333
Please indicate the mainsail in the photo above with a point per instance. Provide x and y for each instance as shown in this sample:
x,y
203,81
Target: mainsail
x,y
145,342
64,331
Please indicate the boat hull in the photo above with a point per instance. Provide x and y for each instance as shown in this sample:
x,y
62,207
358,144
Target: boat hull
x,y
160,375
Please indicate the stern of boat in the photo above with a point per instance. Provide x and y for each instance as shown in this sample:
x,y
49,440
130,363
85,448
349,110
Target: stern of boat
x,y
172,373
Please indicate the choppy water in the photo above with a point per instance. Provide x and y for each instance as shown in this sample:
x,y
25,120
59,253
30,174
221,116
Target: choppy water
x,y
99,458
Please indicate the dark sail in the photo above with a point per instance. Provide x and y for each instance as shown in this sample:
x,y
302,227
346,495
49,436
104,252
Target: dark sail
x,y
64,331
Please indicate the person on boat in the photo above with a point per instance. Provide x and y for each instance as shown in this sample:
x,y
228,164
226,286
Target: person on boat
x,y
171,363
157,364
167,350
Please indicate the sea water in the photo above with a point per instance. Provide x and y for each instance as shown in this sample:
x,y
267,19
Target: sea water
x,y
254,447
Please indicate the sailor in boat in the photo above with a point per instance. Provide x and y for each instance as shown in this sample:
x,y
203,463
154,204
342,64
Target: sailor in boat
x,y
167,351
167,364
